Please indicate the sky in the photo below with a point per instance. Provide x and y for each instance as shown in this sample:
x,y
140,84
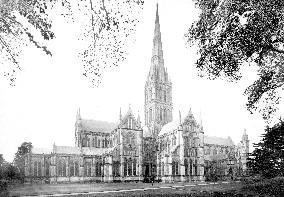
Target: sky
x,y
42,107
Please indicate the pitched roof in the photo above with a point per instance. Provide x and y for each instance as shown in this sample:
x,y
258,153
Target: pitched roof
x,y
218,141
94,151
41,150
72,150
215,157
174,124
67,150
169,127
146,132
97,126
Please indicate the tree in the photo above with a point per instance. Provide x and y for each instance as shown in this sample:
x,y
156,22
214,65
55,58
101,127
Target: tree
x,y
8,172
15,32
109,30
150,149
19,160
232,34
268,157
106,32
2,161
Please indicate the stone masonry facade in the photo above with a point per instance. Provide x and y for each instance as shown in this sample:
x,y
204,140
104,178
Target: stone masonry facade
x,y
162,149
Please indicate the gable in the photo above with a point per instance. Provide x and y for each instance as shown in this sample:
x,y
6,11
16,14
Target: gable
x,y
129,121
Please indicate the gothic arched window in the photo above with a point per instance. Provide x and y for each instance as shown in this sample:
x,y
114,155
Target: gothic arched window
x,y
87,169
103,142
131,124
190,167
37,168
196,173
146,97
76,164
158,74
186,167
174,140
74,168
165,115
88,142
125,167
192,153
165,96
134,167
99,167
150,115
61,170
46,166
161,114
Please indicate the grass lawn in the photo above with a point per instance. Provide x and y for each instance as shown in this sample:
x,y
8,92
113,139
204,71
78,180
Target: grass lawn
x,y
44,189
261,188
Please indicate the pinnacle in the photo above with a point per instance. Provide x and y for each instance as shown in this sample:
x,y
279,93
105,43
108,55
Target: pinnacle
x,y
78,116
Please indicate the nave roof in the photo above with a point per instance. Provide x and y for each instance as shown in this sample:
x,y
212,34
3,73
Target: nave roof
x,y
97,126
72,150
218,141
169,127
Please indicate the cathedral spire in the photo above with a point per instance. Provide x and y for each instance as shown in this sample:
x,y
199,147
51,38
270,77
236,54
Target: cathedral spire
x,y
78,115
200,121
138,120
158,88
120,115
157,41
200,118
245,136
157,22
138,117
190,112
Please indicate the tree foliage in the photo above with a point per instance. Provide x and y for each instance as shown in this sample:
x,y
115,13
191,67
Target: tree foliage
x,y
15,34
232,34
19,161
8,172
107,27
268,157
108,32
150,148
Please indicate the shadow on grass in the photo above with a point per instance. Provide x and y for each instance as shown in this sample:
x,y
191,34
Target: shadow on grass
x,y
269,187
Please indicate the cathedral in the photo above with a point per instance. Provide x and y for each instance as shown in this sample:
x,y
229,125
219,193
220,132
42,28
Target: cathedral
x,y
164,149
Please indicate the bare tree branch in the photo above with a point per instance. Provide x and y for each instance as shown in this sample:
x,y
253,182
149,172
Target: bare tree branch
x,y
31,38
8,50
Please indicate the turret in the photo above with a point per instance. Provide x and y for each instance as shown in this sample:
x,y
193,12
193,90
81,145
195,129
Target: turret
x,y
78,115
244,150
138,121
198,135
120,115
245,136
200,124
78,128
245,142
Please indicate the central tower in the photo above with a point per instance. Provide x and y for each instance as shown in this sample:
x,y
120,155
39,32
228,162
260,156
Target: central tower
x,y
158,88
